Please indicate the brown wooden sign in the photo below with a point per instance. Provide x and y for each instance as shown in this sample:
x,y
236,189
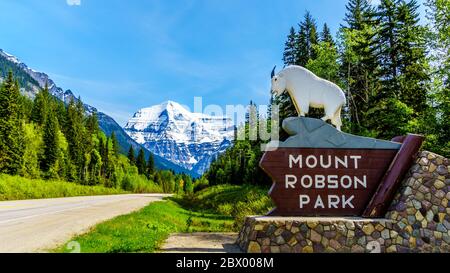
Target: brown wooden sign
x,y
325,182
320,171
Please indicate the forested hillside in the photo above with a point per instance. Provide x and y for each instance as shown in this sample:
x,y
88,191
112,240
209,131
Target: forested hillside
x,y
45,138
394,69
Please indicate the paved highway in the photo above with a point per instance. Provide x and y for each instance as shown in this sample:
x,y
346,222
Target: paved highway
x,y
39,225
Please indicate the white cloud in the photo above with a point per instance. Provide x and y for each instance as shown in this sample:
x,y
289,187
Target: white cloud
x,y
73,2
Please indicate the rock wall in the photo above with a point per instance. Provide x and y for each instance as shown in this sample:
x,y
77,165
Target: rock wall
x,y
418,221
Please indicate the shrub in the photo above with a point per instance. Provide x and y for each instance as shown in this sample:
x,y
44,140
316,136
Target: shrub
x,y
201,184
139,184
18,188
230,200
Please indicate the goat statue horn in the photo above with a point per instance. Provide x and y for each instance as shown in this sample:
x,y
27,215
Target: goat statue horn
x,y
273,72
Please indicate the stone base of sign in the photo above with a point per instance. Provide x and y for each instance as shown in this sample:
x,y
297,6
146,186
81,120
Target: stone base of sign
x,y
418,221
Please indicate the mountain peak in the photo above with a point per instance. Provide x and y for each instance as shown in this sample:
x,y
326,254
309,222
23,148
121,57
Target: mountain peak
x,y
191,140
34,81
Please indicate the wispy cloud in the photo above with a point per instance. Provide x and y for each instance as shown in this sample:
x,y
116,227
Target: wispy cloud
x,y
73,2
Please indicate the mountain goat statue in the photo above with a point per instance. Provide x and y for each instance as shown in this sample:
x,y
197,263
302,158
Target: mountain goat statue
x,y
309,91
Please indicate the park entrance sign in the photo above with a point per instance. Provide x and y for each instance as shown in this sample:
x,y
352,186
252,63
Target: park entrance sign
x,y
337,192
325,182
320,171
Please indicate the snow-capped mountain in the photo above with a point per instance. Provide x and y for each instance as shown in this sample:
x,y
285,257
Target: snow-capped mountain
x,y
39,81
32,82
190,140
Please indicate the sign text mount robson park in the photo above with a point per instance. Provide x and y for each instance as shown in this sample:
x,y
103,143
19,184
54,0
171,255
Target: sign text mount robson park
x,y
320,171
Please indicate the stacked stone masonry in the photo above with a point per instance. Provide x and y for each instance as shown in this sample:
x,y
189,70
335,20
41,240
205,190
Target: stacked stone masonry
x,y
418,221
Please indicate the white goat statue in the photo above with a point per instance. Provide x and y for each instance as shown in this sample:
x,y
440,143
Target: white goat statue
x,y
309,91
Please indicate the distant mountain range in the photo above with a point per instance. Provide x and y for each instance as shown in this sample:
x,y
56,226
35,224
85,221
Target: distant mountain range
x,y
190,140
32,81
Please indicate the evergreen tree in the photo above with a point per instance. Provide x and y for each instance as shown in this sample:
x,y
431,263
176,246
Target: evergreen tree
x,y
403,54
60,113
41,106
326,36
439,41
131,156
92,124
357,13
150,165
439,17
115,144
141,164
290,48
188,185
306,39
94,168
304,50
359,62
388,47
104,153
326,64
76,138
11,127
51,143
414,79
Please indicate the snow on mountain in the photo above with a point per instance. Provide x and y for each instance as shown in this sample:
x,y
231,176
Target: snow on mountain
x,y
33,81
190,140
42,79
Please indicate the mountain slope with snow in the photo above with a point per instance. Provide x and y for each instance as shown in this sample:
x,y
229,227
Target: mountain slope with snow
x,y
32,82
190,140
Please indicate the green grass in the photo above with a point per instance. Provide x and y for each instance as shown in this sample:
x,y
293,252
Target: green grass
x,y
19,188
235,201
215,209
145,230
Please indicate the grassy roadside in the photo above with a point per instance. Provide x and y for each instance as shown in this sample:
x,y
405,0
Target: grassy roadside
x,y
19,188
230,200
215,209
145,230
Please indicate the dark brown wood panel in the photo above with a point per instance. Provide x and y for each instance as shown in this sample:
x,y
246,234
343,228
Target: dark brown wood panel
x,y
372,166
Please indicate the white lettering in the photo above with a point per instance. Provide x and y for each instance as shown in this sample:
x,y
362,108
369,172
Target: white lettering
x,y
320,182
344,162
356,158
308,162
293,160
332,181
304,200
290,181
310,181
347,202
325,166
363,182
319,203
333,201
349,181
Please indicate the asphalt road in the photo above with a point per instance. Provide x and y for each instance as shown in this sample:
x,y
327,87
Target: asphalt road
x,y
40,225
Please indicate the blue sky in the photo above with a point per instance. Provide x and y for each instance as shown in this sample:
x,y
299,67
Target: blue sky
x,y
120,56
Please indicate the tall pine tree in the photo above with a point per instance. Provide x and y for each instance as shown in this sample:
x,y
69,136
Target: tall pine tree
x,y
11,127
359,62
115,144
290,48
141,164
76,138
325,35
150,165
131,156
413,64
307,38
41,106
51,143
